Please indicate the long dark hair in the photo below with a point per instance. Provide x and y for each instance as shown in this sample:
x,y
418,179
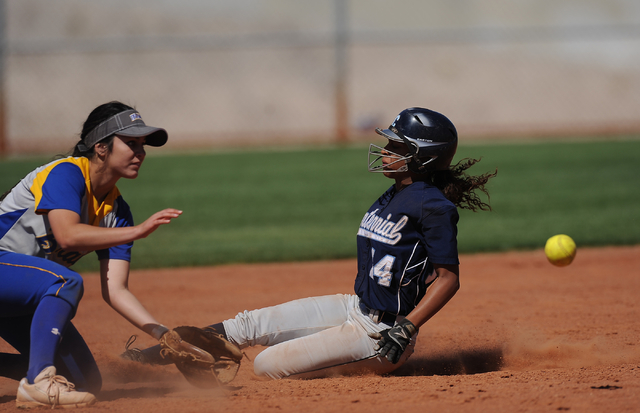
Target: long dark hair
x,y
96,117
459,187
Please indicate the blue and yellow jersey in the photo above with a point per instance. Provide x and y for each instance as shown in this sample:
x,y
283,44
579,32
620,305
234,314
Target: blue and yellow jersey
x,y
61,184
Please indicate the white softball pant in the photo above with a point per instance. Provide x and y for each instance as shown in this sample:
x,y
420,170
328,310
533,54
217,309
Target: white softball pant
x,y
312,337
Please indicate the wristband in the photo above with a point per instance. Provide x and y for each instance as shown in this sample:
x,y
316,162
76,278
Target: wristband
x,y
158,331
409,326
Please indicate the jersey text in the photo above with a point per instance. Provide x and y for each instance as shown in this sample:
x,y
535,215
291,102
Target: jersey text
x,y
380,229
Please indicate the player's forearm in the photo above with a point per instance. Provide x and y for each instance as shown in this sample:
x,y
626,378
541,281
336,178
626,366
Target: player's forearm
x,y
114,277
438,294
73,235
128,306
88,238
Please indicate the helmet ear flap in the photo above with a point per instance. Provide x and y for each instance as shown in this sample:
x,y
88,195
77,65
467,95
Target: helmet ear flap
x,y
413,148
415,164
419,166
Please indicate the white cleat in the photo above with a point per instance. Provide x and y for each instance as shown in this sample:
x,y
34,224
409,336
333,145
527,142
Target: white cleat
x,y
49,389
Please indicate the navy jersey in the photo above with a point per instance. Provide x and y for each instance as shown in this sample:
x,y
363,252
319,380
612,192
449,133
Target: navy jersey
x,y
400,238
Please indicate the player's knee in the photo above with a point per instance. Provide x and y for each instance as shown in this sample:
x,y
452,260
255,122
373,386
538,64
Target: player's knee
x,y
74,280
69,287
265,366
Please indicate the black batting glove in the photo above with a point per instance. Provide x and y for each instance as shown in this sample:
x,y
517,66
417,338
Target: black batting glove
x,y
394,341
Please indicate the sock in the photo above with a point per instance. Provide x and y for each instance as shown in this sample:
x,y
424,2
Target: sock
x,y
49,321
219,327
152,356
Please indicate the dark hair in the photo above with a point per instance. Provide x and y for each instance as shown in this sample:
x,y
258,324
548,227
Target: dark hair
x,y
96,117
459,188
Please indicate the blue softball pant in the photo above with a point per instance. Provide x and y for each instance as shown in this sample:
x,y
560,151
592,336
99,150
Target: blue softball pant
x,y
24,282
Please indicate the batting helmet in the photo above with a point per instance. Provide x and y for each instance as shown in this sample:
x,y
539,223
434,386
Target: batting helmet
x,y
430,136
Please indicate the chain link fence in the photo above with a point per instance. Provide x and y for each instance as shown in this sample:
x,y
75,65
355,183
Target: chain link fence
x,y
248,72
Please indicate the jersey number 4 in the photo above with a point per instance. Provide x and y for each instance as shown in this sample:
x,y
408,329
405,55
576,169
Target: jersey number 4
x,y
382,270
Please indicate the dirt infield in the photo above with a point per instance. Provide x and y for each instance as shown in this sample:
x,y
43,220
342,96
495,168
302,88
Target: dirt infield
x,y
520,336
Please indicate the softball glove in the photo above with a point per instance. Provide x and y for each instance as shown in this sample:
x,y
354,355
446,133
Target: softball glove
x,y
204,357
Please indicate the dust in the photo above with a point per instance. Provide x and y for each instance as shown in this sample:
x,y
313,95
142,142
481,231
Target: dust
x,y
531,351
117,370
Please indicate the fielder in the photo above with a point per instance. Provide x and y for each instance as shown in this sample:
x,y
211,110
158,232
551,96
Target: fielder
x,y
407,266
58,213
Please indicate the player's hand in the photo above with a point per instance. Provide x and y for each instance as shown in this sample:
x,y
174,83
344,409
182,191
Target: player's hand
x,y
394,341
159,218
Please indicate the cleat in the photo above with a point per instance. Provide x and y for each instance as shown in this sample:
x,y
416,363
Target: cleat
x,y
52,390
149,356
134,354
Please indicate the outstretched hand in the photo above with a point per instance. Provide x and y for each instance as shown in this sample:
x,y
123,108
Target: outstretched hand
x,y
394,341
159,218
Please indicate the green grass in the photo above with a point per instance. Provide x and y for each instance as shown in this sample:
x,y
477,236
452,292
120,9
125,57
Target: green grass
x,y
257,206
586,190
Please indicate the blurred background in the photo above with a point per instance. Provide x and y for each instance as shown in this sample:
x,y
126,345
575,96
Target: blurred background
x,y
220,73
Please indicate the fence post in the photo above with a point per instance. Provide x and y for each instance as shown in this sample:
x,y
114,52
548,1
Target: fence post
x,y
341,45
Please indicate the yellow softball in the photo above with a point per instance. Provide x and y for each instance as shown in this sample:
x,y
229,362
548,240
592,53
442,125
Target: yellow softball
x,y
560,250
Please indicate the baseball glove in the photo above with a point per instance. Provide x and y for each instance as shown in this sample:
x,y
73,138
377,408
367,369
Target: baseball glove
x,y
204,357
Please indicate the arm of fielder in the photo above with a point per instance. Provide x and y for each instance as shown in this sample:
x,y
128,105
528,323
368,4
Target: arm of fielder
x,y
114,277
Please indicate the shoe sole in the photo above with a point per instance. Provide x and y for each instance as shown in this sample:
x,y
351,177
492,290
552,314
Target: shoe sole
x,y
32,405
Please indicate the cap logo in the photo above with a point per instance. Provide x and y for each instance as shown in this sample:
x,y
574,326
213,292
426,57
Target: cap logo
x,y
114,124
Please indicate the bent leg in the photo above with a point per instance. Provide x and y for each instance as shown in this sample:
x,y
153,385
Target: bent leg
x,y
272,325
343,349
73,360
26,280
49,322
328,348
45,291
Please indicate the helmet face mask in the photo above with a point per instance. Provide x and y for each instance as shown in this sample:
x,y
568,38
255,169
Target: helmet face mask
x,y
376,154
430,137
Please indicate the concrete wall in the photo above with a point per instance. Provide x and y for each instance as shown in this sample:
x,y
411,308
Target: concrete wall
x,y
220,73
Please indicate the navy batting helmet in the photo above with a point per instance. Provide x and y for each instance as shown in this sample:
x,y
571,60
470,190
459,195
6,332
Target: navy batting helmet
x,y
430,136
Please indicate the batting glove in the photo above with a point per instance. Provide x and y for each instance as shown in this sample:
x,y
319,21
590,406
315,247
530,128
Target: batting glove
x,y
394,341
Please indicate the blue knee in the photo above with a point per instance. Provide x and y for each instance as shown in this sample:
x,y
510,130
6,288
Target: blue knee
x,y
69,287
